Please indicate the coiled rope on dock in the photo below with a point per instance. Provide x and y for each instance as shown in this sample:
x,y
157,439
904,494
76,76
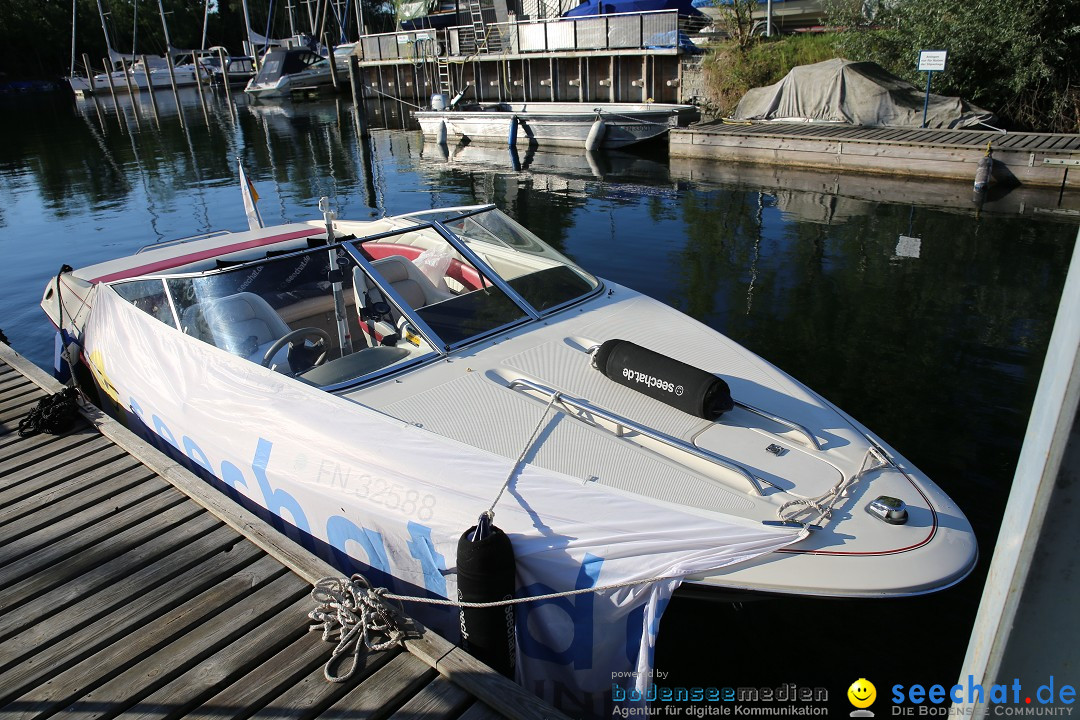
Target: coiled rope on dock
x,y
353,612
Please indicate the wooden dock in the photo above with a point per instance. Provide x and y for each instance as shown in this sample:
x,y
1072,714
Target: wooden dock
x,y
129,587
1031,158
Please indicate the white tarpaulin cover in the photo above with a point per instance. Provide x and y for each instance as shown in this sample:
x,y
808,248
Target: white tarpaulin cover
x,y
859,93
397,498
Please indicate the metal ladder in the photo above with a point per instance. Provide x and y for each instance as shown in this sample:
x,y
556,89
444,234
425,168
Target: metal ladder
x,y
479,30
443,70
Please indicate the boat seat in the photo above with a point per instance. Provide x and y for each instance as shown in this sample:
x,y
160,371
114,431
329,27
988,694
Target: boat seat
x,y
407,280
243,324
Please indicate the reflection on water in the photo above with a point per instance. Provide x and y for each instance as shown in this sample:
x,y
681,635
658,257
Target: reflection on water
x,y
924,317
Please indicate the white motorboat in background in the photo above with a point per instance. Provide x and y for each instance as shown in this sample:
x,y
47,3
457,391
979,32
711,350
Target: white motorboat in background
x,y
576,125
285,70
184,71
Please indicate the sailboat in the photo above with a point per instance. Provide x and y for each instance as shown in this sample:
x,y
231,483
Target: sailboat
x,y
146,71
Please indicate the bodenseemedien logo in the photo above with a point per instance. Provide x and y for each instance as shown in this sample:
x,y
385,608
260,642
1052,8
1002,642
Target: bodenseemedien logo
x,y
862,694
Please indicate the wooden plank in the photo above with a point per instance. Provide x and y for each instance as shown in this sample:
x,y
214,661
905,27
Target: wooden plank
x,y
12,413
29,395
42,491
44,458
99,601
263,683
478,679
13,384
28,559
248,651
91,672
13,550
312,694
154,602
387,689
12,446
88,496
479,710
65,583
166,662
439,699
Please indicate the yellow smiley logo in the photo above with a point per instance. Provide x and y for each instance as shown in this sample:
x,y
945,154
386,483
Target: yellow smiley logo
x,y
862,693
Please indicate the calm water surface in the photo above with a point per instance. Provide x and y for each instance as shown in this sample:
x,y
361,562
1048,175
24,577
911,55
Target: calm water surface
x,y
935,343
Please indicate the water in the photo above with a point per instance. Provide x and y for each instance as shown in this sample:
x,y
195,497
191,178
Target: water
x,y
935,343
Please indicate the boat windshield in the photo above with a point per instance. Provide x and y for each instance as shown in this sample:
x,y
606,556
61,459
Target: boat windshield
x,y
542,276
334,315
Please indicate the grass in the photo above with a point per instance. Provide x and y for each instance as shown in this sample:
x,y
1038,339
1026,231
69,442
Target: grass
x,y
730,71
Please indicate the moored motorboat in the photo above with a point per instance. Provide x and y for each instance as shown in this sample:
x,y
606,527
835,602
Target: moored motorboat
x,y
577,125
285,70
375,385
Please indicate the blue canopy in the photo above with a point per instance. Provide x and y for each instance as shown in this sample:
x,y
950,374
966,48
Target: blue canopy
x,y
608,7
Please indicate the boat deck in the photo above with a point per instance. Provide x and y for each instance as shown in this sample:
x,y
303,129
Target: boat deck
x,y
1032,158
130,587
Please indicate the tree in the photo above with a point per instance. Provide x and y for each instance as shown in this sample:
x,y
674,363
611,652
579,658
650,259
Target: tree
x,y
1018,59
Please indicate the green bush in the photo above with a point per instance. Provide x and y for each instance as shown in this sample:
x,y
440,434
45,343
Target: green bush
x,y
730,70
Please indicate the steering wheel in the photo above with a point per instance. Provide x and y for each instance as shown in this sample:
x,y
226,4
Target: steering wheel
x,y
294,336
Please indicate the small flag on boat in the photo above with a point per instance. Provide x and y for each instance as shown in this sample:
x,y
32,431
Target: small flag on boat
x,y
247,189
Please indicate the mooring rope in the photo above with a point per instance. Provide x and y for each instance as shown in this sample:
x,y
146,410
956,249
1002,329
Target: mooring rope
x,y
403,102
605,114
54,414
353,611
823,504
490,512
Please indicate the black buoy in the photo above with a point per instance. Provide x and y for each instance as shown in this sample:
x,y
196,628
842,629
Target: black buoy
x,y
485,561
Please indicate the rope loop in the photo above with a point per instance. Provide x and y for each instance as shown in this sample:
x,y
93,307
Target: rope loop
x,y
356,615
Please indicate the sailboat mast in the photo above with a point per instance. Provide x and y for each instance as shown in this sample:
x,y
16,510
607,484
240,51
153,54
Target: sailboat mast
x,y
73,15
105,30
205,20
165,27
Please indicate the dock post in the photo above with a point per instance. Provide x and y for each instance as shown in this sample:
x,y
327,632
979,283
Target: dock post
x,y
127,80
333,64
225,79
149,86
108,78
89,73
172,81
359,109
199,88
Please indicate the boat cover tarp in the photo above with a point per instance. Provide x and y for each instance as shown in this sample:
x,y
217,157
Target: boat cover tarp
x,y
609,7
397,497
859,93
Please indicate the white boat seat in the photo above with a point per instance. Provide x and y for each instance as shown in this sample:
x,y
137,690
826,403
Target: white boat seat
x,y
243,324
407,280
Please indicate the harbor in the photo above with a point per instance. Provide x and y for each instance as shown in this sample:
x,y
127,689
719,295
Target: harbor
x,y
827,250
95,519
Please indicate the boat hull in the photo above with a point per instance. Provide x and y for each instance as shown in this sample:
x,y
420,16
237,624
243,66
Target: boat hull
x,y
159,80
555,124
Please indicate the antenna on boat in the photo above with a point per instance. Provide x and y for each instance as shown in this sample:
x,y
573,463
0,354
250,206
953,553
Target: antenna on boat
x,y
338,261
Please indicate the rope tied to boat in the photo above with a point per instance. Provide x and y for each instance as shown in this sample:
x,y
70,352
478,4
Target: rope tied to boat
x,y
490,512
601,113
354,613
823,504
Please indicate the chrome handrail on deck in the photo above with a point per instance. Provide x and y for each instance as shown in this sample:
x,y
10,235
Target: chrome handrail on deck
x,y
623,424
782,421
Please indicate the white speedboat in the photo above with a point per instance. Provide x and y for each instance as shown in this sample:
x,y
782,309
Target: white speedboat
x,y
286,70
429,293
375,386
576,125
